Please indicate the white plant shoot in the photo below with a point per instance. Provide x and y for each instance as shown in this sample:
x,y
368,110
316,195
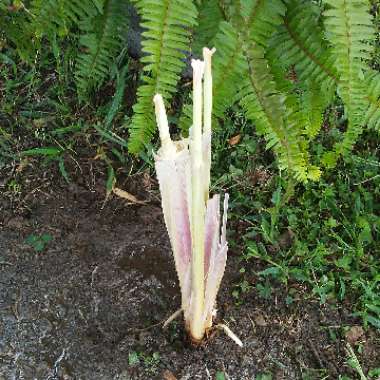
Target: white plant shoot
x,y
197,235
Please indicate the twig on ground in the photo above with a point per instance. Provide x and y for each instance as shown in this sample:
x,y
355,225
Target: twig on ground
x,y
228,331
164,322
172,318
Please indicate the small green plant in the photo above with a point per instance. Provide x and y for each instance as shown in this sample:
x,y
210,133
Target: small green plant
x,y
38,242
133,358
374,373
14,186
264,376
150,362
327,238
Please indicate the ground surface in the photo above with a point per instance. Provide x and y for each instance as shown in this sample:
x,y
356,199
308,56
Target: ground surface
x,y
82,306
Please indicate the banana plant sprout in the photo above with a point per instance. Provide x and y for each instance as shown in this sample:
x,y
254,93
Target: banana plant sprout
x,y
197,233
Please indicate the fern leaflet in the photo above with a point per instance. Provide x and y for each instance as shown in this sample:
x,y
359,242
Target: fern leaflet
x,y
349,28
167,36
299,43
57,16
210,15
372,115
101,42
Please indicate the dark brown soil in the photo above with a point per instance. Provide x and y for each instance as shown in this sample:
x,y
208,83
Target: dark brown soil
x,y
89,305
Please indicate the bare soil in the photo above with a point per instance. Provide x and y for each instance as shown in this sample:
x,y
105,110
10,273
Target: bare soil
x,y
89,305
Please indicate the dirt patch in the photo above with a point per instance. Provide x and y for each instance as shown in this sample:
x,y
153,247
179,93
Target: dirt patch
x,y
85,302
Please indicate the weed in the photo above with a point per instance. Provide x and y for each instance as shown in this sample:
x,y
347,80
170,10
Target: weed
x,y
38,242
150,362
133,358
220,376
334,242
14,186
264,376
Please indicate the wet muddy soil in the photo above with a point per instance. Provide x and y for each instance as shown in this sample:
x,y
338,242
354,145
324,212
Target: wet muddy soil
x,y
85,285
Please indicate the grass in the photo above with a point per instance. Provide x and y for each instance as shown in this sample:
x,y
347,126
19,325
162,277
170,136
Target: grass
x,y
42,118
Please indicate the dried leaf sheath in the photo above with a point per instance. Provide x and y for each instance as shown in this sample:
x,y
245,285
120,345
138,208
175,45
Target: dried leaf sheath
x,y
192,219
173,176
217,261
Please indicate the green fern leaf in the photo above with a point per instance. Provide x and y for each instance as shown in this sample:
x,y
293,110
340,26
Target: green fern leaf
x,y
228,64
49,17
210,15
265,106
372,115
254,21
168,26
313,103
305,97
298,44
276,116
53,17
16,27
303,64
100,44
349,29
261,17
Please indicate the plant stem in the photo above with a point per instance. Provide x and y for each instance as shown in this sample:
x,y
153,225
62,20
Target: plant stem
x,y
207,92
197,328
207,116
163,125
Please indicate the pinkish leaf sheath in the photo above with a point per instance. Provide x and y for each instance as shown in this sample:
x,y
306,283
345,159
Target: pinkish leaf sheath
x,y
192,219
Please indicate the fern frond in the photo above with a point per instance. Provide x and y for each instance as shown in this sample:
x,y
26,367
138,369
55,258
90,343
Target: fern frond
x,y
17,29
254,21
265,106
304,115
228,64
276,116
51,17
372,114
303,64
313,104
210,15
100,42
298,44
306,97
168,26
349,29
260,18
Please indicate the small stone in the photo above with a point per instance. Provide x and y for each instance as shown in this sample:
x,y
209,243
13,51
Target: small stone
x,y
260,320
17,222
168,375
354,334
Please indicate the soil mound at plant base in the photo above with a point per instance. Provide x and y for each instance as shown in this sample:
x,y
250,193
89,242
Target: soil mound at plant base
x,y
81,287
